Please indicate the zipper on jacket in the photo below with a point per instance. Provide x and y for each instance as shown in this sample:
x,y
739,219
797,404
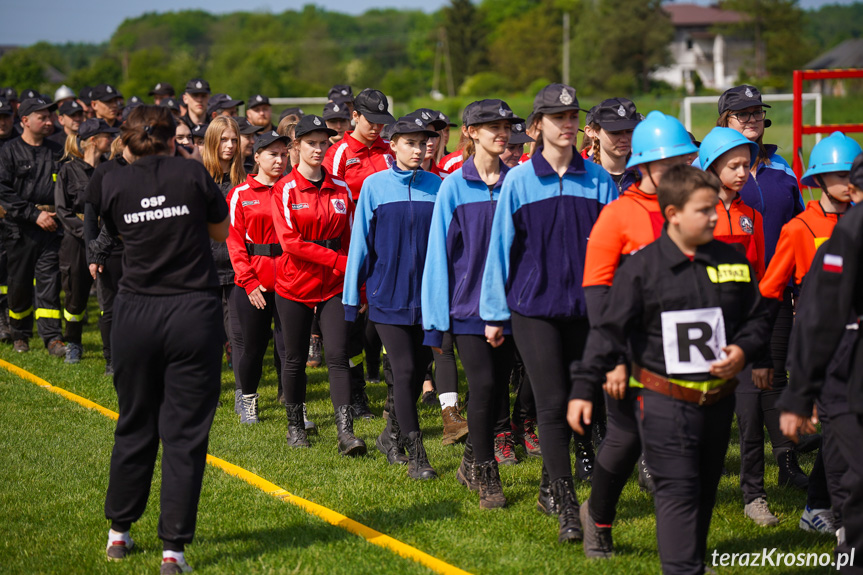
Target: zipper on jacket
x,y
412,242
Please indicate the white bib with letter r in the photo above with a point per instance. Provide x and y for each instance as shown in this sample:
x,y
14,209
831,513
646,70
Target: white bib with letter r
x,y
692,339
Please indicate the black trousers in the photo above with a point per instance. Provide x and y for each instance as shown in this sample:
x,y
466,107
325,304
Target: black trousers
x,y
372,346
34,253
445,369
524,406
296,320
167,373
548,347
487,370
4,273
756,409
76,281
684,447
834,465
409,360
848,431
254,327
106,291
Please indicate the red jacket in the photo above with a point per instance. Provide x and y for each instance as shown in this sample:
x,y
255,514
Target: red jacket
x,y
252,223
352,161
451,162
308,272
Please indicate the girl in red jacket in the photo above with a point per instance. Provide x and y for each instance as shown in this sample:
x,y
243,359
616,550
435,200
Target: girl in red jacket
x,y
254,249
313,213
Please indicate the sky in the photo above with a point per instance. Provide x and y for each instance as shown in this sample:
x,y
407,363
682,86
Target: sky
x,y
94,21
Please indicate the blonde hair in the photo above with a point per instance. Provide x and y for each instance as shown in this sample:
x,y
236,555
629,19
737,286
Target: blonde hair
x,y
287,125
763,155
71,148
210,151
116,148
596,148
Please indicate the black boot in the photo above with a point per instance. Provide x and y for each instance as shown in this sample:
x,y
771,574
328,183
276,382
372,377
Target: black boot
x,y
598,543
349,444
790,474
584,457
645,480
466,474
570,524
296,427
359,399
390,442
418,462
490,488
546,502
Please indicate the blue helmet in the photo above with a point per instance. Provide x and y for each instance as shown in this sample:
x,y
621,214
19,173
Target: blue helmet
x,y
658,137
834,153
719,141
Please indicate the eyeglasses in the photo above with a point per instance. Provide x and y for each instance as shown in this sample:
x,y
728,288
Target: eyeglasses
x,y
747,116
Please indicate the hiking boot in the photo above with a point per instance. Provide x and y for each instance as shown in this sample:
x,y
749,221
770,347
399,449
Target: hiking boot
x,y
118,550
546,502
418,462
466,473
429,397
598,543
74,352
389,442
758,512
315,355
56,348
21,346
645,480
309,425
171,566
820,520
454,425
360,401
504,449
250,409
584,458
109,369
790,474
296,430
238,401
567,518
490,488
349,444
528,438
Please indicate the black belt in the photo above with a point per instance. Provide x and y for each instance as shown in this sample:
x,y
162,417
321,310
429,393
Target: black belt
x,y
270,250
335,244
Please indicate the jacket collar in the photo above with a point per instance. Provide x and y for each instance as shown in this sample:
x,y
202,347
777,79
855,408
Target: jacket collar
x,y
542,168
405,176
303,184
357,146
470,173
674,257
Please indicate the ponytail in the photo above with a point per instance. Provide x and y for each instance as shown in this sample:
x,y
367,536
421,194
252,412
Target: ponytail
x,y
596,147
71,148
148,130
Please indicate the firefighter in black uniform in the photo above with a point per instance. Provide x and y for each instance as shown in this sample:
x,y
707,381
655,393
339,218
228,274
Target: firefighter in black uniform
x,y
167,345
687,310
7,133
28,168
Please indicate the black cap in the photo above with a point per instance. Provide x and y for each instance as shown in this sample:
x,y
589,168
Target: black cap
x,y
288,111
312,123
86,95
9,94
855,176
258,100
247,128
430,117
387,132
221,102
162,89
519,135
616,114
105,93
127,109
198,130
170,103
694,141
374,106
5,107
31,105
446,119
134,100
69,107
29,93
268,137
92,126
555,98
341,92
409,125
336,111
740,98
197,86
485,111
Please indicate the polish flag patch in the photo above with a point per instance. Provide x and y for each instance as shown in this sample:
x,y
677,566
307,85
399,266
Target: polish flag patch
x,y
833,263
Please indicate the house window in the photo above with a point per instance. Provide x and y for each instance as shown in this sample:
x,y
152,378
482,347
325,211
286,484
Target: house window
x,y
689,43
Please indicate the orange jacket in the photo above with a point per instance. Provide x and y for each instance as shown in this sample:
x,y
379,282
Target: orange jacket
x,y
742,227
795,250
623,227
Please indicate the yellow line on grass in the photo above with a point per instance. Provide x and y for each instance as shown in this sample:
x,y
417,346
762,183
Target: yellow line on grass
x,y
332,517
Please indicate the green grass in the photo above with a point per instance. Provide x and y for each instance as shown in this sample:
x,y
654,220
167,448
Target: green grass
x,y
54,469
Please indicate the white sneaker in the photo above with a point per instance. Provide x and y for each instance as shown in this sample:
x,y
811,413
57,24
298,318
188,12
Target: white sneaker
x,y
171,566
118,547
758,512
820,520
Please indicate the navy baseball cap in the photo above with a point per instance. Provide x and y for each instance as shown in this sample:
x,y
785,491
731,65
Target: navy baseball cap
x,y
247,128
341,92
616,114
740,98
430,117
336,111
31,105
258,100
197,86
855,176
268,138
69,107
518,135
92,126
373,105
485,111
288,111
312,123
105,93
409,125
198,130
222,102
171,103
5,107
162,89
555,98
9,94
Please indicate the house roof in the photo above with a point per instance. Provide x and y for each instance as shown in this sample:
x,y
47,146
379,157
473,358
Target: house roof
x,y
848,54
683,15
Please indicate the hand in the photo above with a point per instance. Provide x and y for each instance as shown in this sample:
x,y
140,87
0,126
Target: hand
x,y
791,424
256,297
733,363
494,335
763,377
195,154
46,221
96,269
579,410
363,308
615,382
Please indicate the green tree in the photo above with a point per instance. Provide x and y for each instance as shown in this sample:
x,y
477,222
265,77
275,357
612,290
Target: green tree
x,y
25,68
466,38
527,46
833,24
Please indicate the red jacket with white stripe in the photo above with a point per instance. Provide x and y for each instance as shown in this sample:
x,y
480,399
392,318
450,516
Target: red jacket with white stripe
x,y
352,161
251,214
307,272
450,163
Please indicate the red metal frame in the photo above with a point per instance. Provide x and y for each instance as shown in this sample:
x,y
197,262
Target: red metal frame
x,y
799,128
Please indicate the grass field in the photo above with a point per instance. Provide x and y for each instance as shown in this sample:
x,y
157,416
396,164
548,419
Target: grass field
x,y
54,459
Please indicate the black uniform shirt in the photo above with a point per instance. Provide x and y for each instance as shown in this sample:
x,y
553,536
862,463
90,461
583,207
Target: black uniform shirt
x,y
59,137
661,278
161,206
27,178
72,180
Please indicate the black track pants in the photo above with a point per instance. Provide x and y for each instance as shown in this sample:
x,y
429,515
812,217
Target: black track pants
x,y
76,281
409,359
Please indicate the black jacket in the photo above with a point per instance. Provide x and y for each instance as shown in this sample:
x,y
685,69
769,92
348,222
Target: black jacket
x,y
661,278
100,245
69,195
832,297
27,178
220,249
